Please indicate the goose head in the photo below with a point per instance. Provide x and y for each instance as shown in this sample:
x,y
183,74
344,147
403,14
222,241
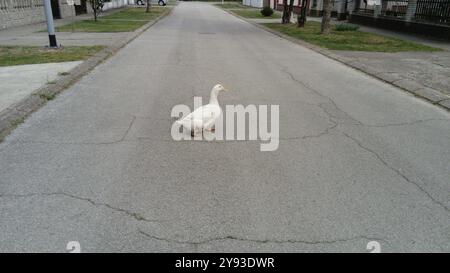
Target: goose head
x,y
218,88
215,91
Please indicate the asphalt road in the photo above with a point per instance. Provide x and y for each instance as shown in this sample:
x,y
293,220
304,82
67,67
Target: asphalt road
x,y
358,160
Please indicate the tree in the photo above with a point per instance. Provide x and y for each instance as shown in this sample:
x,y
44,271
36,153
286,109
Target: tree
x,y
301,17
326,19
97,6
147,8
287,11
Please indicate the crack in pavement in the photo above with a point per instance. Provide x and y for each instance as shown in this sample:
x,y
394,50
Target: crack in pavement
x,y
129,213
332,118
324,132
121,139
417,185
331,101
405,123
261,241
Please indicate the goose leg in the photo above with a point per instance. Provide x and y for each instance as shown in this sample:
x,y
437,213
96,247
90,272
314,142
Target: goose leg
x,y
196,131
210,126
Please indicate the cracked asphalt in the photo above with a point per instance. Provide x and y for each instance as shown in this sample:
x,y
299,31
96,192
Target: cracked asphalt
x,y
359,160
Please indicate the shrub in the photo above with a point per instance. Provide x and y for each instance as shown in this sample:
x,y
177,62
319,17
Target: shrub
x,y
266,11
346,27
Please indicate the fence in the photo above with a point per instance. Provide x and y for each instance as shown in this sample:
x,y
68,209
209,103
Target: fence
x,y
38,3
394,8
23,12
3,4
112,4
435,11
22,4
425,11
366,7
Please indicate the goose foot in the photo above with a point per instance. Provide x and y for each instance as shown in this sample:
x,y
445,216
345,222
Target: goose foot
x,y
196,132
212,129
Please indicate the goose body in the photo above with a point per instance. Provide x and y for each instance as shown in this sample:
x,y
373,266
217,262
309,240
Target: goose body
x,y
204,117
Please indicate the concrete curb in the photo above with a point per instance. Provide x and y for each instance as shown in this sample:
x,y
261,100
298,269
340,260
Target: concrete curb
x,y
12,116
418,90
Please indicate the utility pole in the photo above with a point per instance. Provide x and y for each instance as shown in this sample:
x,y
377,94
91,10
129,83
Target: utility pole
x,y
50,26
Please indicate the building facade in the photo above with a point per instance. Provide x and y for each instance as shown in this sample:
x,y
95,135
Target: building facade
x,y
340,8
24,12
255,3
314,7
428,17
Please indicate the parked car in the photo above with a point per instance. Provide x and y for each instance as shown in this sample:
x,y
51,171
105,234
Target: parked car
x,y
144,2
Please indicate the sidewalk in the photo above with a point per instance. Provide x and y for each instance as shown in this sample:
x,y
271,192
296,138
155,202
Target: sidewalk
x,y
25,88
20,81
424,74
36,35
395,34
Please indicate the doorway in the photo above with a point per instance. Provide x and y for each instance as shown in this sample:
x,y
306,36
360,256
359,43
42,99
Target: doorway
x,y
81,9
55,9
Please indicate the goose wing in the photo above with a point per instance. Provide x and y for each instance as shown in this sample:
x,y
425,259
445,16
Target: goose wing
x,y
202,117
210,113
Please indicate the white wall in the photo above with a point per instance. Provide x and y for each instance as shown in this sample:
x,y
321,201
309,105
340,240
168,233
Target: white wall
x,y
253,3
24,12
115,4
33,11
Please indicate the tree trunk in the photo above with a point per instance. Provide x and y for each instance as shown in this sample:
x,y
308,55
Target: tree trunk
x,y
147,9
291,8
326,19
301,18
95,8
287,11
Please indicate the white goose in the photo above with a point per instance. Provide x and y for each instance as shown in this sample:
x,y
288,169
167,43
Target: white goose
x,y
204,117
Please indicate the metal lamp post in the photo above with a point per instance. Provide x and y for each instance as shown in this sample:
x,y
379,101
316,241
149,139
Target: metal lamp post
x,y
50,26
